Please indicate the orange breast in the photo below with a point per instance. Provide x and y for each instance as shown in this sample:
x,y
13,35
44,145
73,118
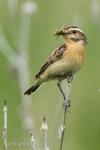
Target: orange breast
x,y
75,54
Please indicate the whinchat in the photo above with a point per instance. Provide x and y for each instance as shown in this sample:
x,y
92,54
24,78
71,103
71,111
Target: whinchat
x,y
64,61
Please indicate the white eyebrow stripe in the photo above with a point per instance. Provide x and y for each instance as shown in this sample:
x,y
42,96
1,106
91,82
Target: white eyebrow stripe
x,y
77,29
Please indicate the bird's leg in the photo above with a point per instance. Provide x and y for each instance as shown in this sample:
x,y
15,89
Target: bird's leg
x,y
70,79
66,103
60,88
66,97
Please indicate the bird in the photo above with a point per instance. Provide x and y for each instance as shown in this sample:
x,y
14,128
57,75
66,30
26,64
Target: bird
x,y
65,60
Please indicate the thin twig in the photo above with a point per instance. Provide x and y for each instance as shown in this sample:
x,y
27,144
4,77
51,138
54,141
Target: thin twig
x,y
66,105
4,133
44,129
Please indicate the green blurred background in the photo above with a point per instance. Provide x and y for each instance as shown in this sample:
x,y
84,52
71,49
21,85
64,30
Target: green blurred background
x,y
42,17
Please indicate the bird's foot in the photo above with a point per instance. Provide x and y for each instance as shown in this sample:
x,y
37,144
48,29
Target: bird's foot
x,y
69,79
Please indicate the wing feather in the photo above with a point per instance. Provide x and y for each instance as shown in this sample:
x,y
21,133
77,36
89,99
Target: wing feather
x,y
55,55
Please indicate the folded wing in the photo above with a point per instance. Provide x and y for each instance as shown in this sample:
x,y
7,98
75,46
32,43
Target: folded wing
x,y
55,55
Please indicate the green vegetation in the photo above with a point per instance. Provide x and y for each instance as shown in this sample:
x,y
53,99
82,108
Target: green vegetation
x,y
83,122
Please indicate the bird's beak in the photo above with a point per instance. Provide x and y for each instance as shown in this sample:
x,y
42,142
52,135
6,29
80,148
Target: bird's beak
x,y
60,32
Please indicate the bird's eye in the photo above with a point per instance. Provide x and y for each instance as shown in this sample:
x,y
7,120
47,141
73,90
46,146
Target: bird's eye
x,y
74,31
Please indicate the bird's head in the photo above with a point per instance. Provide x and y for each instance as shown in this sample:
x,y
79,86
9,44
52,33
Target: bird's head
x,y
73,34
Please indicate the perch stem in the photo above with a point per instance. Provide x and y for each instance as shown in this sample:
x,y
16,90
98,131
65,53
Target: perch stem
x,y
66,105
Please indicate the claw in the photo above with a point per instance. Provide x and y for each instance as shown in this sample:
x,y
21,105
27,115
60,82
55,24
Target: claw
x,y
69,79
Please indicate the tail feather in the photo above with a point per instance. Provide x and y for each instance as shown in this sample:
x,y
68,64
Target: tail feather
x,y
32,89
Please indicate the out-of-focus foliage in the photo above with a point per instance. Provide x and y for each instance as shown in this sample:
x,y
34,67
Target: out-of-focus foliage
x,y
83,122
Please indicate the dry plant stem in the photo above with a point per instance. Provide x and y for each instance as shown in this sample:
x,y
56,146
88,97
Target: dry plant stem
x,y
32,140
4,133
44,129
66,105
45,140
